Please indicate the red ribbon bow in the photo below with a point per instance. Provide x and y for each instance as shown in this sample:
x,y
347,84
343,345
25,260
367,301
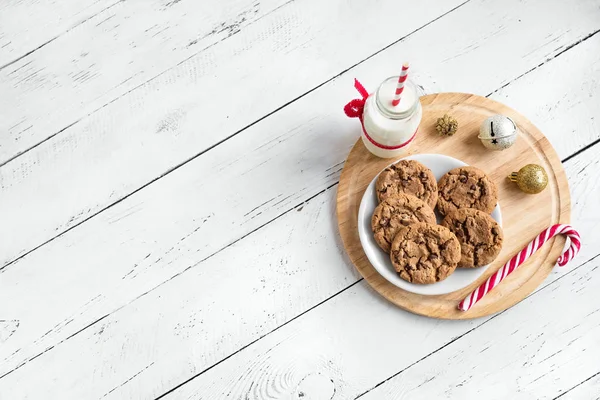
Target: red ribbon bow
x,y
354,109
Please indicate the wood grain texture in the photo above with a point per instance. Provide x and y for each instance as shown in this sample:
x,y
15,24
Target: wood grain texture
x,y
7,328
116,244
168,120
28,25
110,54
326,343
189,51
589,389
280,272
523,216
449,358
165,122
563,102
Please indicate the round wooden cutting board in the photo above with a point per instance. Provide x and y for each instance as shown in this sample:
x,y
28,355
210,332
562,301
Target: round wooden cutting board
x,y
523,215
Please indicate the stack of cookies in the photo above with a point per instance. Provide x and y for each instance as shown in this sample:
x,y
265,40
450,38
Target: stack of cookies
x,y
404,223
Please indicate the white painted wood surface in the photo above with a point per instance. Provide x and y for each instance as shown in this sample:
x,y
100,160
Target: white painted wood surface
x,y
588,389
28,25
148,136
130,271
186,200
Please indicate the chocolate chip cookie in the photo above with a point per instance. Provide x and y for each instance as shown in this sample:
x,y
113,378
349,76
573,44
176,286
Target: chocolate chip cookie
x,y
479,235
410,177
396,212
466,187
425,253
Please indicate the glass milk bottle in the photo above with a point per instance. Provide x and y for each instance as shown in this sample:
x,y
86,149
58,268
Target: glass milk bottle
x,y
389,130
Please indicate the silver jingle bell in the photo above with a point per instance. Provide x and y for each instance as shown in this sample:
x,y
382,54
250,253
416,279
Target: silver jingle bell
x,y
498,132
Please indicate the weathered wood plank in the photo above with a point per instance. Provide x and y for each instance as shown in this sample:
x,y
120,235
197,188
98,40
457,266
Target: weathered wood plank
x,y
27,25
588,389
171,119
195,321
110,54
180,221
195,47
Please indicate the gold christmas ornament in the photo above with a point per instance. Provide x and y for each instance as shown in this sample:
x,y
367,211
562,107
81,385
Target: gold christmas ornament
x,y
531,178
446,125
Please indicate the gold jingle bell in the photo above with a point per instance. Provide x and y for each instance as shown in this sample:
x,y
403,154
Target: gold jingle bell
x,y
531,178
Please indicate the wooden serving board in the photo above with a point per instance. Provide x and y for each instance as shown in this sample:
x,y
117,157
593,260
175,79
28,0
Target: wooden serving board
x,y
523,215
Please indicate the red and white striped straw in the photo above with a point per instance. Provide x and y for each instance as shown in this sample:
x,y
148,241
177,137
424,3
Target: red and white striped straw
x,y
400,87
521,257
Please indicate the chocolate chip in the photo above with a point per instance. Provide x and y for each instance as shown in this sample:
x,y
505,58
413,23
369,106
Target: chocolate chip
x,y
463,179
494,231
433,257
472,187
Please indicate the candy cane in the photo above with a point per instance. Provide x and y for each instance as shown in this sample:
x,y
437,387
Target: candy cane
x,y
521,257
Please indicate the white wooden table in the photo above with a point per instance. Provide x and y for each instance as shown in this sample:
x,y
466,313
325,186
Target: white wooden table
x,y
168,174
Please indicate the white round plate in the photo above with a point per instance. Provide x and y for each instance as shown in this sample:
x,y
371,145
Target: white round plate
x,y
462,277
